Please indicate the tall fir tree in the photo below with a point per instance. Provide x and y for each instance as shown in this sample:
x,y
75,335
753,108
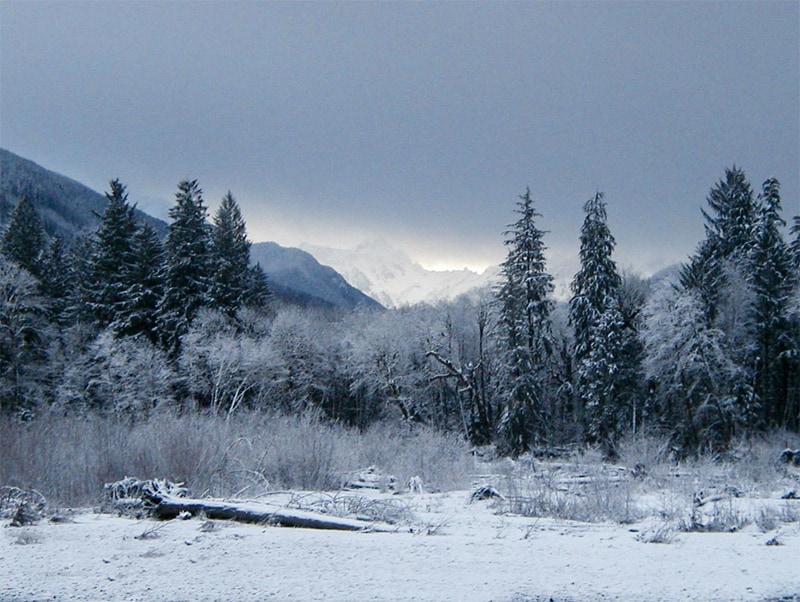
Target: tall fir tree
x,y
112,257
792,412
79,258
525,306
597,322
258,292
56,280
794,247
771,277
230,257
24,239
721,275
187,274
730,226
24,338
138,313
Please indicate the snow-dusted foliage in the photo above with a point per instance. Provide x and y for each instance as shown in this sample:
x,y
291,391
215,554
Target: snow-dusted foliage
x,y
597,322
112,258
225,368
24,334
230,257
188,265
688,364
23,239
127,377
743,275
524,296
118,322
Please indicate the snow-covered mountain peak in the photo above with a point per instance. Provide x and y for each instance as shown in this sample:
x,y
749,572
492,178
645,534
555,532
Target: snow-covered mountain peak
x,y
392,277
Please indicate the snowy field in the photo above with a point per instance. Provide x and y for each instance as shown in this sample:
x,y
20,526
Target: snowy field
x,y
444,547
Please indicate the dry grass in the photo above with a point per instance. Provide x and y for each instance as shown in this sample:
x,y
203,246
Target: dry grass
x,y
69,459
706,494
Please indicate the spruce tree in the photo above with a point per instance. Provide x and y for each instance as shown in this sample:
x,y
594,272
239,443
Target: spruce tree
x,y
794,248
230,256
730,226
138,313
597,323
111,260
792,411
258,292
56,280
187,274
24,238
525,307
771,277
721,275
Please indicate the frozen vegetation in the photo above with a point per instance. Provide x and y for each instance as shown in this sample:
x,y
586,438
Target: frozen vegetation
x,y
637,442
472,527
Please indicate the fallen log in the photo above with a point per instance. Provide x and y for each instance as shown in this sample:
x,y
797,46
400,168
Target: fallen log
x,y
254,512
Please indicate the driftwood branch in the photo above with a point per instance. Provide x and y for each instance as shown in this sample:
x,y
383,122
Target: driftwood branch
x,y
255,512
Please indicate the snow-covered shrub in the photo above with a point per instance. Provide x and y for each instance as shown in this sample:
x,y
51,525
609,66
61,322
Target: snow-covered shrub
x,y
126,377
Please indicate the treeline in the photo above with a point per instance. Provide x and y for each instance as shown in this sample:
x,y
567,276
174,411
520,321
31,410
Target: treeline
x,y
121,282
120,323
704,356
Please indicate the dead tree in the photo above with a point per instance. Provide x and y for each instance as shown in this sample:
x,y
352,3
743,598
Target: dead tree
x,y
479,427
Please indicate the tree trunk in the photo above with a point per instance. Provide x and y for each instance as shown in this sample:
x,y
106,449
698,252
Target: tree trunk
x,y
253,512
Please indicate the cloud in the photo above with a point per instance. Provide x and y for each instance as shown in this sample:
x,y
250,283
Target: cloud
x,y
417,122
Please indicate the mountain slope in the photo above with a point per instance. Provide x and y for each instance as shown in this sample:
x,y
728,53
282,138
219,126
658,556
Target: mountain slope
x,y
296,275
393,278
69,209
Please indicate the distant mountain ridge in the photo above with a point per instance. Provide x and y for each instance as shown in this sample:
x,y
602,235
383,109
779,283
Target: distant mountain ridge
x,y
69,209
298,276
393,278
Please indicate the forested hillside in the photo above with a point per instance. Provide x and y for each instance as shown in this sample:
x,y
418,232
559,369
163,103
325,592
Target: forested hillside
x,y
68,210
120,324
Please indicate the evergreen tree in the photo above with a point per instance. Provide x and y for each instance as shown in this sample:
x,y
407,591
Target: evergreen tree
x,y
112,259
734,215
24,237
633,295
138,313
231,258
187,278
56,280
24,337
794,248
79,257
772,284
792,410
525,307
597,323
730,227
258,293
722,276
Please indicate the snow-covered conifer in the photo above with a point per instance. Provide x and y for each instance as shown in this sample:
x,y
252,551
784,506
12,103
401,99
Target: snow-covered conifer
x,y
524,318
771,280
138,313
188,265
111,260
231,258
24,237
597,323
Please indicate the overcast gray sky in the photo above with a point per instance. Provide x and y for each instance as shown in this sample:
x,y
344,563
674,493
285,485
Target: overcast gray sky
x,y
416,122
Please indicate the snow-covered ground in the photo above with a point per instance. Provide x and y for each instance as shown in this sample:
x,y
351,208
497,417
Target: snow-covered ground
x,y
450,549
